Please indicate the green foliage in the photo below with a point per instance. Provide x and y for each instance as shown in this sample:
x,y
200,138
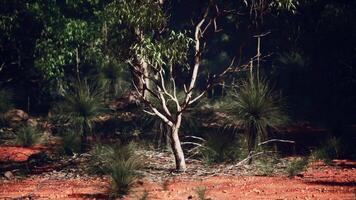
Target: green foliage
x,y
169,50
266,165
68,45
256,109
332,148
143,15
27,136
222,148
289,5
297,166
122,176
70,142
115,75
81,105
120,163
292,59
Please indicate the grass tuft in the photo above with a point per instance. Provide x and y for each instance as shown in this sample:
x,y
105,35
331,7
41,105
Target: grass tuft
x,y
120,163
27,136
297,166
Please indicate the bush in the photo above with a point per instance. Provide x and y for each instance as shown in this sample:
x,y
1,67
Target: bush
x,y
267,164
27,136
120,163
341,147
222,148
123,174
81,105
256,108
297,166
70,142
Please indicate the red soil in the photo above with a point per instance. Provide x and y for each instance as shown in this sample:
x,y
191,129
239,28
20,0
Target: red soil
x,y
18,154
318,182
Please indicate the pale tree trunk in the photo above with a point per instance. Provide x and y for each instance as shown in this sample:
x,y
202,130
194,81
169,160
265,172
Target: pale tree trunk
x,y
176,145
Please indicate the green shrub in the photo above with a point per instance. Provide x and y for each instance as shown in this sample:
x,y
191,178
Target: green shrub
x,y
297,166
81,105
27,136
120,163
102,156
256,108
70,142
329,150
222,148
123,174
266,165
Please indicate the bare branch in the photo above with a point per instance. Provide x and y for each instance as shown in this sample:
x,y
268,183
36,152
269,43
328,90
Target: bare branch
x,y
276,140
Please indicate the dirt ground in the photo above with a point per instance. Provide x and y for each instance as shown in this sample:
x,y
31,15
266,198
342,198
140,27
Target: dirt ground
x,y
319,181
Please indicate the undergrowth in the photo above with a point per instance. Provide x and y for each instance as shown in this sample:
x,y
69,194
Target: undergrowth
x,y
27,136
297,166
120,163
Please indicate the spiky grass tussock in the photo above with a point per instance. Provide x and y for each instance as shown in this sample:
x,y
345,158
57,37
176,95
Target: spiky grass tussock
x,y
120,163
256,108
70,142
27,136
80,106
297,166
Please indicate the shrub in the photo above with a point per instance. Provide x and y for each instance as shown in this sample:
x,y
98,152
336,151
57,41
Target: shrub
x,y
123,174
81,105
27,136
340,147
266,165
256,108
70,142
297,166
222,148
333,148
120,163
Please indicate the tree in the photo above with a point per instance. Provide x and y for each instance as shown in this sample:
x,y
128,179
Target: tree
x,y
164,61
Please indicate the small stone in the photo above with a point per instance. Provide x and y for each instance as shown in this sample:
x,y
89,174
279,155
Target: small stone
x,y
190,197
9,175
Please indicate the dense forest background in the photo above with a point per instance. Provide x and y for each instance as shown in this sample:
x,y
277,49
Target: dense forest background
x,y
45,45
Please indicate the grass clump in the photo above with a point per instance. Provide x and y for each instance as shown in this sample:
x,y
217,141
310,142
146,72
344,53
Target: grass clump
x,y
336,147
70,142
201,192
80,106
221,148
266,165
255,108
27,136
297,166
120,163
